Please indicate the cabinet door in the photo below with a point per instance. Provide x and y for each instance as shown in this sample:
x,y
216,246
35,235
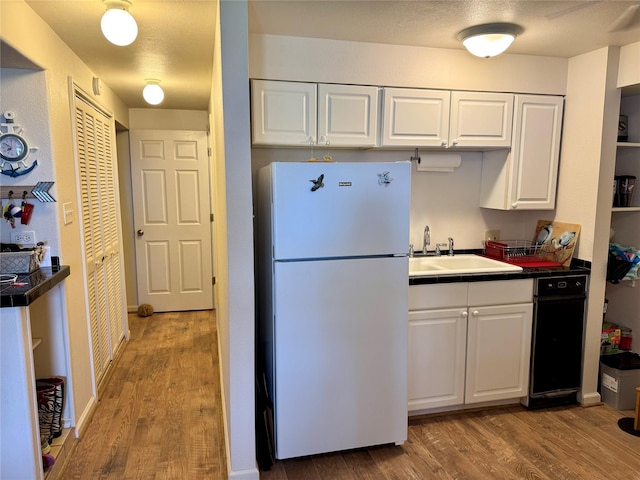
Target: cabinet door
x,y
525,178
347,115
481,119
498,352
436,358
415,117
535,152
283,113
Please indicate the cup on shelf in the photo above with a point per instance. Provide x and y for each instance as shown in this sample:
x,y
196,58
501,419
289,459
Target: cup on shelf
x,y
624,185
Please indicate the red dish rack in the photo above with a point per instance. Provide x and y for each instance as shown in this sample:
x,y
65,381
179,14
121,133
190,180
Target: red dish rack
x,y
517,252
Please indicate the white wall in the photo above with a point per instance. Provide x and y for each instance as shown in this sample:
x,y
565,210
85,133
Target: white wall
x,y
629,71
29,35
161,119
332,61
234,236
584,183
31,113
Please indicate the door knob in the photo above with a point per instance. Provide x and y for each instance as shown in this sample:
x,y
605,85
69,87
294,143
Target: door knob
x,y
140,232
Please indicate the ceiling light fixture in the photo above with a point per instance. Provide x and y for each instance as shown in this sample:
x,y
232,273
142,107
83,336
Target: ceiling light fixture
x,y
152,92
117,24
489,40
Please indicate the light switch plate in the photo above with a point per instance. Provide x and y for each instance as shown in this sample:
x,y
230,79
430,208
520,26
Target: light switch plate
x,y
67,212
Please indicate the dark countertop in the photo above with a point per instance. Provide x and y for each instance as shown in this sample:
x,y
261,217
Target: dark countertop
x,y
578,267
36,284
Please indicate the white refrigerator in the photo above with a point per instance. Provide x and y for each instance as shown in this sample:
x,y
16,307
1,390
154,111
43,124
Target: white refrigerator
x,y
333,240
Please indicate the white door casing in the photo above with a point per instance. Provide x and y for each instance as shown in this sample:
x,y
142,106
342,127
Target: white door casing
x,y
170,183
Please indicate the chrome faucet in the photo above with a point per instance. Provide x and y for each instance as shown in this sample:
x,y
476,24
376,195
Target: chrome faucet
x,y
426,241
450,246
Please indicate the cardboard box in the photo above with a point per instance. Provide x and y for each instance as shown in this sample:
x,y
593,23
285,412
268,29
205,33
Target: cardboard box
x,y
610,338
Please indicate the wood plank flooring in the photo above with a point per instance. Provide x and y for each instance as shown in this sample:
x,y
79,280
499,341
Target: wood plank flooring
x,y
567,443
160,415
160,418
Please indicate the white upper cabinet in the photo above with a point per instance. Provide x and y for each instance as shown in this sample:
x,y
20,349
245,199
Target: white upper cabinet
x,y
480,119
347,115
299,114
525,178
439,118
283,113
415,117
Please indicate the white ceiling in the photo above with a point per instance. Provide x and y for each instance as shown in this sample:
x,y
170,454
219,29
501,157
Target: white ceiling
x,y
176,38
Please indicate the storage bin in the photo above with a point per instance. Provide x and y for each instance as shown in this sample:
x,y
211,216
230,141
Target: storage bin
x,y
619,377
19,262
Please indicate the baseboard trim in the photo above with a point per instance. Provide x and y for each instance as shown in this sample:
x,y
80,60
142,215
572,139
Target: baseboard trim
x,y
110,369
589,399
246,474
250,474
85,419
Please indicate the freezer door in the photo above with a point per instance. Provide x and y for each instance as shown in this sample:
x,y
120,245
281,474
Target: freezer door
x,y
340,354
326,210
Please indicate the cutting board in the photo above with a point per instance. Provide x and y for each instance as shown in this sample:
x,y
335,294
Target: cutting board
x,y
557,240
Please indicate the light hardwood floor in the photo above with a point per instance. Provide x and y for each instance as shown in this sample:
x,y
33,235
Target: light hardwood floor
x,y
160,415
160,418
501,443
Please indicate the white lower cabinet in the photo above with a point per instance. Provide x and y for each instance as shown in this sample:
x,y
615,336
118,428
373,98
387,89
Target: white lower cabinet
x,y
498,352
437,344
468,343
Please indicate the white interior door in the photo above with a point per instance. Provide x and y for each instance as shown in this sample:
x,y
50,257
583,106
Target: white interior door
x,y
170,182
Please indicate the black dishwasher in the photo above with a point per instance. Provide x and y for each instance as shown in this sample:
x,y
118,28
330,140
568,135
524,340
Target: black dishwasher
x,y
557,341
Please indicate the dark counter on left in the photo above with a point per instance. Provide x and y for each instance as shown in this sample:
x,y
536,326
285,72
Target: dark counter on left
x,y
36,284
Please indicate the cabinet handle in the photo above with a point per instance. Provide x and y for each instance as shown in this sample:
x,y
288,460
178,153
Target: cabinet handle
x,y
465,314
444,143
454,143
140,232
475,313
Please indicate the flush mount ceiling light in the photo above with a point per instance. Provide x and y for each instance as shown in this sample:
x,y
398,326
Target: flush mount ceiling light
x,y
152,92
489,40
117,24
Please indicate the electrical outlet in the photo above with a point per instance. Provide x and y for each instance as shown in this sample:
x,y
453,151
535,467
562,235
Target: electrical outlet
x,y
492,235
24,237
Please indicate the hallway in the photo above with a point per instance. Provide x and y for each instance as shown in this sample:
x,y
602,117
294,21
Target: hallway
x,y
160,414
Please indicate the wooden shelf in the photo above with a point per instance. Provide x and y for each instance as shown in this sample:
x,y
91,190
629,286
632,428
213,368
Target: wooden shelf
x,y
625,209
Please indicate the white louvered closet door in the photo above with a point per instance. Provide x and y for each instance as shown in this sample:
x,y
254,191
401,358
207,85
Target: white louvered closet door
x,y
100,226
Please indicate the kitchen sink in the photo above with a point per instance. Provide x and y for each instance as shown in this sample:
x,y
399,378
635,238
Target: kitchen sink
x,y
457,264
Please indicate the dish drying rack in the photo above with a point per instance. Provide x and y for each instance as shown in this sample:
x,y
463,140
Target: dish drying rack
x,y
517,252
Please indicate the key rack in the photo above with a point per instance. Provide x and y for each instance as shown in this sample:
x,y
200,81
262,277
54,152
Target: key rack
x,y
40,191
